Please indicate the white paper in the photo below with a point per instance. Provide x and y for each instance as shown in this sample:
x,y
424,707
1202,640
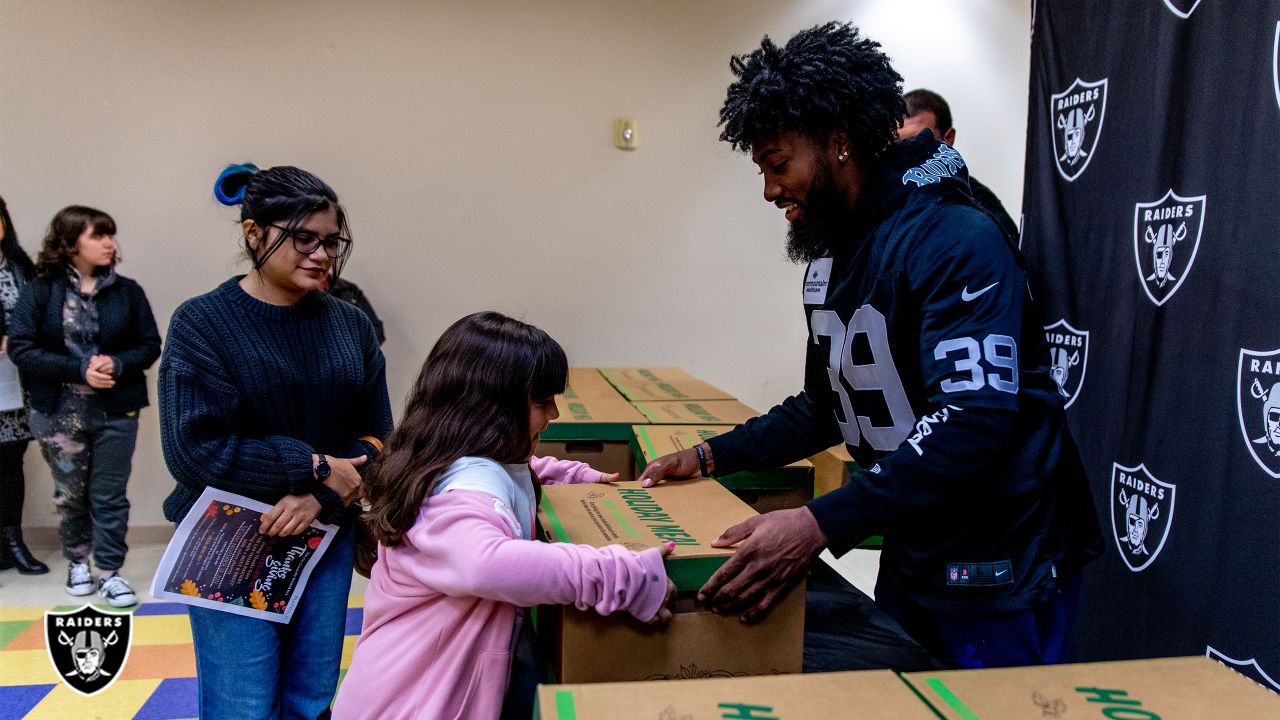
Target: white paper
x,y
10,388
218,560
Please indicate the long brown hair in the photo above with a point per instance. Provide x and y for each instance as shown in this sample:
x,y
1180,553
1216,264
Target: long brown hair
x,y
471,399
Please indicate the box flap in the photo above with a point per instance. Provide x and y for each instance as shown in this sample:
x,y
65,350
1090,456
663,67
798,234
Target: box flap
x,y
597,418
690,513
1193,688
876,695
696,412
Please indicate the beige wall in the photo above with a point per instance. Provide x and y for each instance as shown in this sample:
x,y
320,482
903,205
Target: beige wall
x,y
471,144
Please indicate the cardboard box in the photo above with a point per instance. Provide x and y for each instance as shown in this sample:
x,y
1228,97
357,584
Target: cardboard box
x,y
867,695
765,490
831,469
594,430
585,647
1194,688
696,412
652,384
588,383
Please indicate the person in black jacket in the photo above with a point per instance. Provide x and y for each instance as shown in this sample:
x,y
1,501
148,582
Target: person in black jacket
x,y
16,270
927,110
81,336
924,358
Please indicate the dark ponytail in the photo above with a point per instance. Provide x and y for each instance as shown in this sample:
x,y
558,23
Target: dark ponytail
x,y
283,196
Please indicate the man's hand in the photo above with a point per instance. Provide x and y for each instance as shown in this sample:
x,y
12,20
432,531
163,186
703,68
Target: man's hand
x,y
776,549
677,465
290,516
344,478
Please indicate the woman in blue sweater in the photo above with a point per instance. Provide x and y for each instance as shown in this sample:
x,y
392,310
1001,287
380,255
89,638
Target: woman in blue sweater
x,y
272,389
81,336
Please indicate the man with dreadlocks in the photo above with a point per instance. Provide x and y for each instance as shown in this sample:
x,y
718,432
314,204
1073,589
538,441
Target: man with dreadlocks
x,y
922,357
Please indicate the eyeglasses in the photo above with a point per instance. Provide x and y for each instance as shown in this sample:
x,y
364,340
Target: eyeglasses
x,y
306,242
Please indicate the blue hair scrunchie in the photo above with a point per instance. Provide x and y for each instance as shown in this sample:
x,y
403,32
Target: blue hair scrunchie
x,y
229,188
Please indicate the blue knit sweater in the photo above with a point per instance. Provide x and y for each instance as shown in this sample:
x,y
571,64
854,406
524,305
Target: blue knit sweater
x,y
249,390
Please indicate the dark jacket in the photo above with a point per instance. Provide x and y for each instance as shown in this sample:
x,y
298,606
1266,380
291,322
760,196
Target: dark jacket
x,y
126,331
925,358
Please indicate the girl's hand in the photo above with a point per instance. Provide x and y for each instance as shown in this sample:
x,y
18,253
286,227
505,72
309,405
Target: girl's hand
x,y
290,516
664,612
344,478
605,477
98,379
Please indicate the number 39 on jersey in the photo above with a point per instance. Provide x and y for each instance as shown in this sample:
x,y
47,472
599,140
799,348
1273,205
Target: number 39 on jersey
x,y
989,362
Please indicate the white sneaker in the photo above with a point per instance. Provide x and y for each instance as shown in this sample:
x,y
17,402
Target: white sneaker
x,y
116,591
79,580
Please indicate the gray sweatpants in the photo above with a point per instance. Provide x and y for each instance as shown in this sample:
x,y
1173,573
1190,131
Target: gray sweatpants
x,y
90,454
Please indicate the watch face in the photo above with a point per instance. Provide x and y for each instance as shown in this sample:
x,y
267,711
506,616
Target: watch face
x,y
323,469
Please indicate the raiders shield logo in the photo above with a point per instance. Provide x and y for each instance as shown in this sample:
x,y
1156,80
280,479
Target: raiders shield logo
x,y
1141,514
1249,668
1258,405
1068,357
1077,114
1166,236
1182,8
88,647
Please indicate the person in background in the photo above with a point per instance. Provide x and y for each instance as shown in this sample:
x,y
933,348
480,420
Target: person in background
x,y
82,336
272,389
924,358
16,270
347,291
453,505
926,110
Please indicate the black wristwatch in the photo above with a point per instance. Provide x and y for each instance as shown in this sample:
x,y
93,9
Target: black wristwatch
x,y
323,469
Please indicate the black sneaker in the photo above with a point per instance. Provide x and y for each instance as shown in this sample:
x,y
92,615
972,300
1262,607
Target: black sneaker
x,y
116,591
79,580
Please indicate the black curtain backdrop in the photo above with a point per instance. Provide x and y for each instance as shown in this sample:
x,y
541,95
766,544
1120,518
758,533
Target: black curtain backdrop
x,y
1151,225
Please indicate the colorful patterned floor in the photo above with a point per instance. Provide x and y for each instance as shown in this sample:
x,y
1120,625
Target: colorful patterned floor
x,y
158,682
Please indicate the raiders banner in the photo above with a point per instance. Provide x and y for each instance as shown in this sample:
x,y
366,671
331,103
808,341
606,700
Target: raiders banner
x,y
1152,233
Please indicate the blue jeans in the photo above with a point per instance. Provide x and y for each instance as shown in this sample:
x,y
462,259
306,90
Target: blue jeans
x,y
1038,636
260,670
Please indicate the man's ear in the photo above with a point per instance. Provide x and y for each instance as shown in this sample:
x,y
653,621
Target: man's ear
x,y
841,146
949,137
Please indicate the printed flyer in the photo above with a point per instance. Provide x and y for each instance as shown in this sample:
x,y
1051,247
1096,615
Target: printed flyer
x,y
218,559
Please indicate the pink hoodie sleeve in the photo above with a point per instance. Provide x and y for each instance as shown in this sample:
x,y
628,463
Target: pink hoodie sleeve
x,y
466,549
551,471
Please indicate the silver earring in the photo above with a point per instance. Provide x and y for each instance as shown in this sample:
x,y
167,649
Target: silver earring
x,y
842,156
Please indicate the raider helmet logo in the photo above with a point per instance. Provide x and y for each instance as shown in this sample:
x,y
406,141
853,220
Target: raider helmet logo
x,y
1141,514
88,647
1077,114
1166,236
1068,357
1258,406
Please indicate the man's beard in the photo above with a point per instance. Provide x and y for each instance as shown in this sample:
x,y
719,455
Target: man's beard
x,y
823,220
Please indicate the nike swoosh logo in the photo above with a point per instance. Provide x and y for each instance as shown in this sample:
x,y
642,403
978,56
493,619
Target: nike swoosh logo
x,y
967,296
1001,572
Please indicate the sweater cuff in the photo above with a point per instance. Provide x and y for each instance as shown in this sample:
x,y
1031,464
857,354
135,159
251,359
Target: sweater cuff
x,y
727,452
650,596
298,468
842,519
330,504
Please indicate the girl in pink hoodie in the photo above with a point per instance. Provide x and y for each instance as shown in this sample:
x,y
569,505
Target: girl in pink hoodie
x,y
453,506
